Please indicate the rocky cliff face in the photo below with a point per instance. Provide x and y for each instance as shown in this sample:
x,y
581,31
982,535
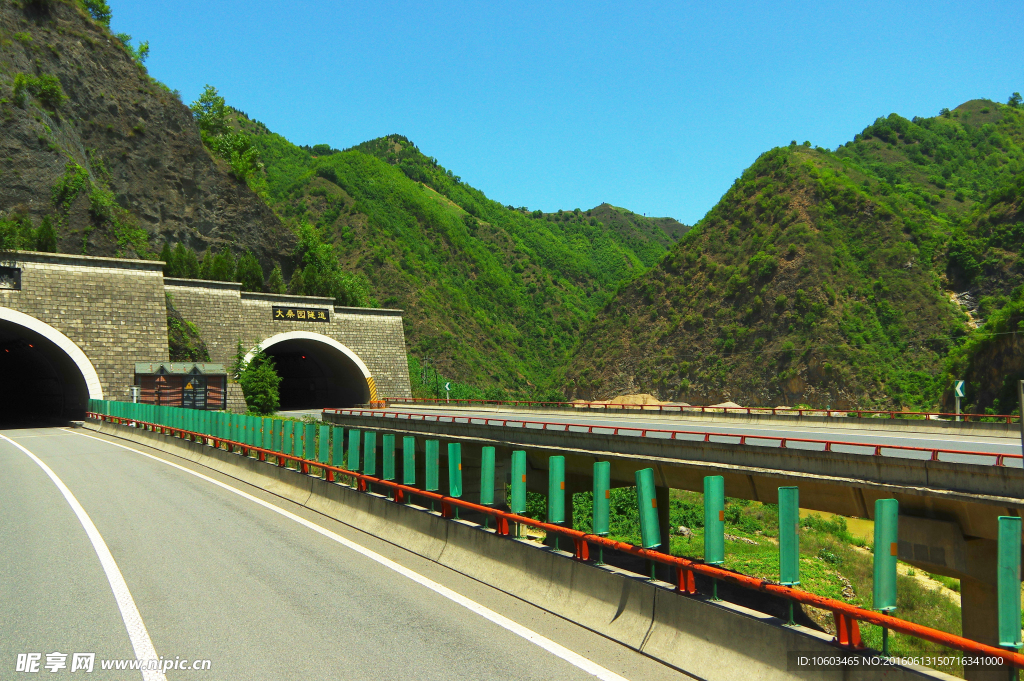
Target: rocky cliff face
x,y
112,156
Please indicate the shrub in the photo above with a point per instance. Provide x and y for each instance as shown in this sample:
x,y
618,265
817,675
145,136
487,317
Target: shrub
x,y
15,233
762,265
46,88
46,237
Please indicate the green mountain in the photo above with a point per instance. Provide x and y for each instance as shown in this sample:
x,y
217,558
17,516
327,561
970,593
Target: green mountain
x,y
494,295
829,278
868,275
103,159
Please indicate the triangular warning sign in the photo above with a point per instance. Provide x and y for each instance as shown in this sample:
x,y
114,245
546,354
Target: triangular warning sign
x,y
188,386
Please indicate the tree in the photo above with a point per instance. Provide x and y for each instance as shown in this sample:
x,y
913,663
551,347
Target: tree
x,y
322,274
16,233
1015,100
218,266
249,273
275,284
167,257
189,264
177,257
46,237
237,148
259,380
98,10
238,363
206,264
210,113
295,285
138,54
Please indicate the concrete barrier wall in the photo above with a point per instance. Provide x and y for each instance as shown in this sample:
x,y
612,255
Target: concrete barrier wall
x,y
717,641
967,480
898,425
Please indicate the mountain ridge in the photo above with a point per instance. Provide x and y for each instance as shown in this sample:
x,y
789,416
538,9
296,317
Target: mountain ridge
x,y
827,278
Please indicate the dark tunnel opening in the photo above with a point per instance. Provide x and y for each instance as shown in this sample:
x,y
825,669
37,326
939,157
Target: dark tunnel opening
x,y
39,383
315,375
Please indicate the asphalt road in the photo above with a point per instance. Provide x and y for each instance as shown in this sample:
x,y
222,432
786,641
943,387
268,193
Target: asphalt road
x,y
261,587
876,436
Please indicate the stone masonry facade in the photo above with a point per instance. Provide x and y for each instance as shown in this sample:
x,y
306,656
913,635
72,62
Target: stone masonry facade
x,y
115,310
225,315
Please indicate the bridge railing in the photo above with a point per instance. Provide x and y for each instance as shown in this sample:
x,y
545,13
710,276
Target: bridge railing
x,y
700,410
933,453
216,429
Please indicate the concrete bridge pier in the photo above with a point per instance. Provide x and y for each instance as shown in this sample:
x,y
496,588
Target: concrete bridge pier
x,y
979,604
940,547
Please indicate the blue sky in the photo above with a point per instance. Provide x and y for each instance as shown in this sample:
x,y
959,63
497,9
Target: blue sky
x,y
656,107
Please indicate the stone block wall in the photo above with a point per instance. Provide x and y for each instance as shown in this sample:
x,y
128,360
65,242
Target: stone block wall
x,y
226,315
113,309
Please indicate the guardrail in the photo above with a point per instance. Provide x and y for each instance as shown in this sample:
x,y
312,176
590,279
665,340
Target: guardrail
x,y
847,617
782,442
695,409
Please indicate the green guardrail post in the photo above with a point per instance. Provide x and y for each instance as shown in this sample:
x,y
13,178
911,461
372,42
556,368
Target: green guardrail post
x,y
388,462
409,462
518,501
455,472
789,539
338,446
354,440
1008,581
487,481
324,445
298,437
714,525
370,452
886,545
309,448
602,502
556,492
647,504
433,464
277,435
287,437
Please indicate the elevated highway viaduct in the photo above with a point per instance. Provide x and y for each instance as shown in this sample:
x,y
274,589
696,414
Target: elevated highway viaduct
x,y
948,507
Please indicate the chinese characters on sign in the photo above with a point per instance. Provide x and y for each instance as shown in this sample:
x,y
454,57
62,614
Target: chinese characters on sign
x,y
301,314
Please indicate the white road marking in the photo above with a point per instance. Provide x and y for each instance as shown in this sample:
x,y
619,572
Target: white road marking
x,y
141,643
547,644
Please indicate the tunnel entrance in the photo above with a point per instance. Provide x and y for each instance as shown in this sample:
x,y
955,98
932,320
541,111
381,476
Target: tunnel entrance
x,y
317,372
40,382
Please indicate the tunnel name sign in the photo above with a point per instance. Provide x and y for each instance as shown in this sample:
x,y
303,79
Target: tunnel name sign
x,y
301,314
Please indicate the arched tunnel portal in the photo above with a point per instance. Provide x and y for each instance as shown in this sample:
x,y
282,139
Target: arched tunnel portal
x,y
317,371
44,376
